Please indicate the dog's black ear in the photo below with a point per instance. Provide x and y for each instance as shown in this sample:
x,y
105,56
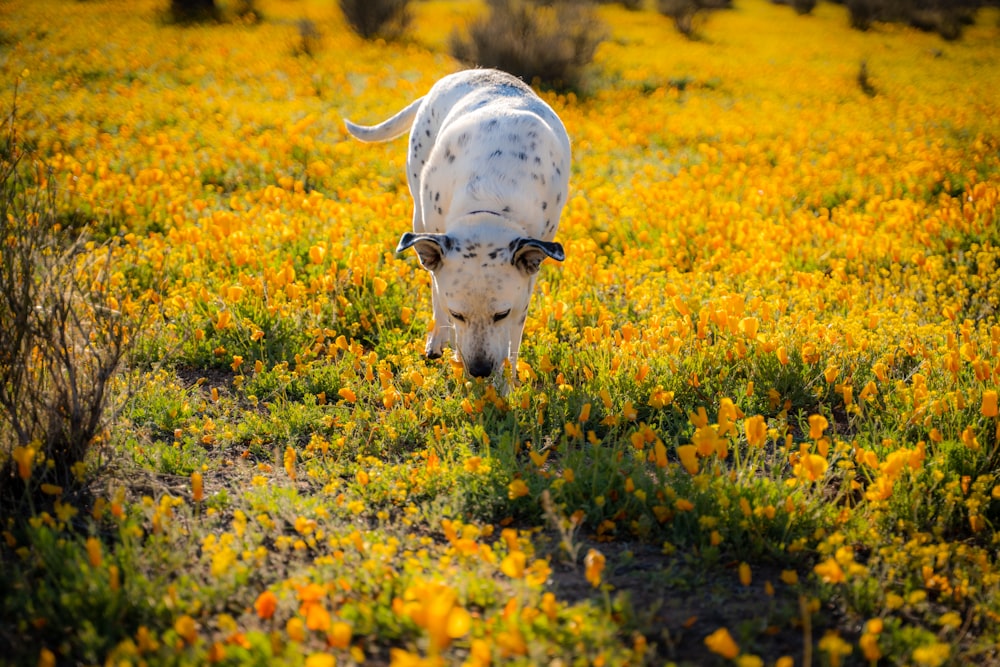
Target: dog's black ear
x,y
431,248
529,254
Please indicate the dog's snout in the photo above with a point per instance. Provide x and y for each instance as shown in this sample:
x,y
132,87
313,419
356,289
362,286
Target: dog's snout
x,y
480,368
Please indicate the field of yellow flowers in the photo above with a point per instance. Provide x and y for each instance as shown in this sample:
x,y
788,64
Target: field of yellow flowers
x,y
756,420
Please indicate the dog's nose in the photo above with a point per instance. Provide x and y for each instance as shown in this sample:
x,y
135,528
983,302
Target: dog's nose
x,y
480,368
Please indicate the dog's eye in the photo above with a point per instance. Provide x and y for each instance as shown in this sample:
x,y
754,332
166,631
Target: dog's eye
x,y
457,316
500,316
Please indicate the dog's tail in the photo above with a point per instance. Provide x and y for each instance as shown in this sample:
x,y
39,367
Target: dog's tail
x,y
386,130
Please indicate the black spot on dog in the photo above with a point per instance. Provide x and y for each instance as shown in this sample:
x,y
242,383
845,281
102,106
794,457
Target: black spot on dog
x,y
496,153
545,205
538,161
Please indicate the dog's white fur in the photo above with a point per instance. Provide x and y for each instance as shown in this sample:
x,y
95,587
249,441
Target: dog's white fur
x,y
488,169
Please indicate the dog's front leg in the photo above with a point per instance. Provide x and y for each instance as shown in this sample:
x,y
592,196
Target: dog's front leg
x,y
440,333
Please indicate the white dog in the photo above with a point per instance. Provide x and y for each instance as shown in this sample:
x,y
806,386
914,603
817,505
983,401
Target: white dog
x,y
488,169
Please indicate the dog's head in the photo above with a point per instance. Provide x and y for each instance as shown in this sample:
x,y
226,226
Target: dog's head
x,y
485,282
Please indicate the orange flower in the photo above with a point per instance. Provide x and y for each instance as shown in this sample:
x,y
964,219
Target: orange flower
x,y
197,487
989,407
721,643
266,604
24,456
594,564
94,551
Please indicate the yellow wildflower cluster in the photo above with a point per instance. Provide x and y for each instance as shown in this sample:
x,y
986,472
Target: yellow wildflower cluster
x,y
774,339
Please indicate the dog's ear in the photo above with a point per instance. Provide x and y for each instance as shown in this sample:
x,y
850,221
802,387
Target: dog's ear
x,y
431,248
529,254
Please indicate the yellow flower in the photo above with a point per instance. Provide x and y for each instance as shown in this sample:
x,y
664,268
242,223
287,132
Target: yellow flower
x,y
932,655
835,648
223,320
316,254
745,574
689,458
517,489
187,628
811,467
749,326
296,629
321,660
339,635
594,565
817,425
755,429
721,643
513,565
869,647
829,571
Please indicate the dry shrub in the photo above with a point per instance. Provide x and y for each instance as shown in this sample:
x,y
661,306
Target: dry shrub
x,y
371,19
549,45
309,40
63,335
688,15
801,7
193,11
945,17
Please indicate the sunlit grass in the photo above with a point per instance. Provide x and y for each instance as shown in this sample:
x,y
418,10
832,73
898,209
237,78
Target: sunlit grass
x,y
756,416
